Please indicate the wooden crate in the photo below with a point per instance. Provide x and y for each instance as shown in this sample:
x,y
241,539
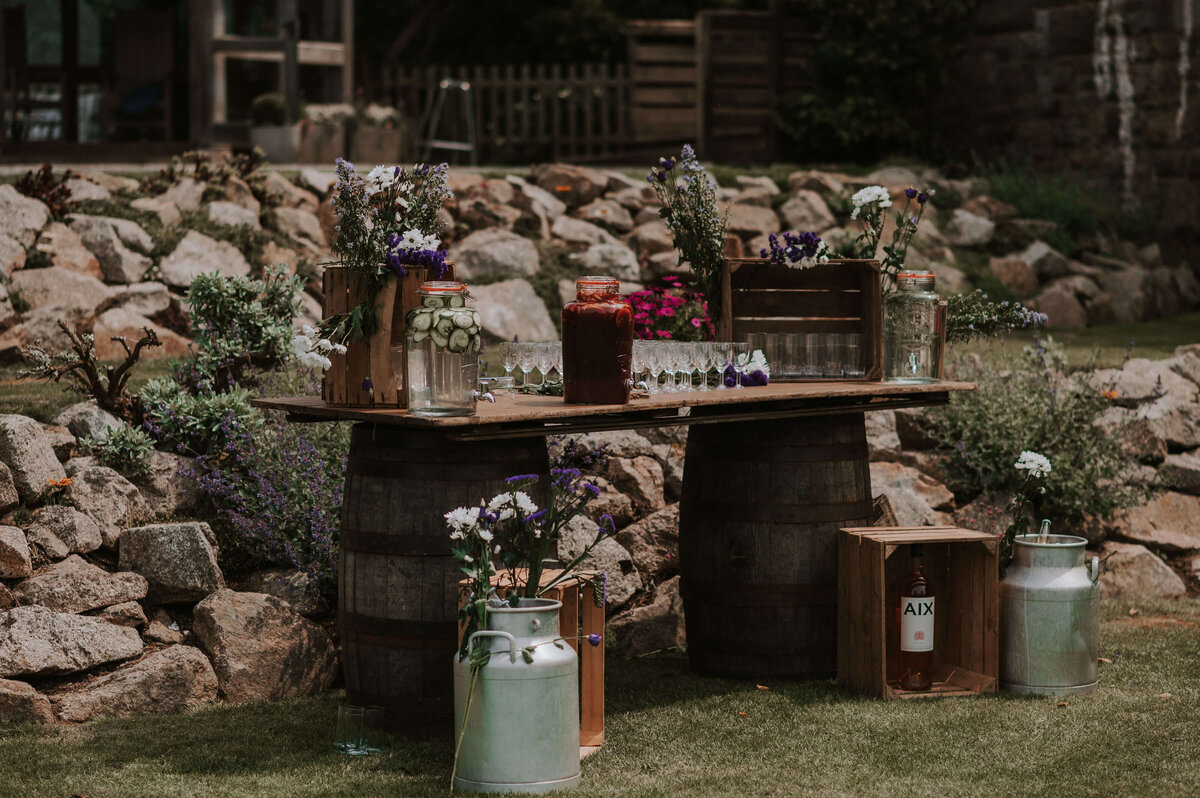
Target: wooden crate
x,y
343,382
872,562
579,617
842,296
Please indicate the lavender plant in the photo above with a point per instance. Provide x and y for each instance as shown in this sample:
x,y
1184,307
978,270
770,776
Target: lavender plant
x,y
689,207
976,315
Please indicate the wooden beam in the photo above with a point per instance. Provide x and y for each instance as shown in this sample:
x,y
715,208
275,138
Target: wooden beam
x,y
347,50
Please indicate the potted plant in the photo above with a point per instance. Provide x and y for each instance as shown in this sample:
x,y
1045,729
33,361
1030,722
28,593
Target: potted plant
x,y
1049,599
516,699
323,132
375,135
387,245
269,128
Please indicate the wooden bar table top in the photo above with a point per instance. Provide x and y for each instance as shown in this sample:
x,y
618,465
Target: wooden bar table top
x,y
522,415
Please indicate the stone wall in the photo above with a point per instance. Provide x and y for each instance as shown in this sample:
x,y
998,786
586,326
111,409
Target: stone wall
x,y
1102,89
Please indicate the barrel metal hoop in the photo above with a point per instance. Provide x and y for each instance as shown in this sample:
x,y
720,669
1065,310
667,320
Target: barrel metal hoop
x,y
391,632
360,542
408,704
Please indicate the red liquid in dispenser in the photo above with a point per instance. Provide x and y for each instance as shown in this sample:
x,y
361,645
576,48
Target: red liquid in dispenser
x,y
597,339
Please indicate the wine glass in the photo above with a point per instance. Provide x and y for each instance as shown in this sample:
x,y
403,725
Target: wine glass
x,y
741,359
704,351
508,357
654,365
723,359
526,361
544,353
557,358
637,365
677,364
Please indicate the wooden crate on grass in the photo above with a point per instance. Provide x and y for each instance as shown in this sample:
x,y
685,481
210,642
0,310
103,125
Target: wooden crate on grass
x,y
579,617
962,564
842,296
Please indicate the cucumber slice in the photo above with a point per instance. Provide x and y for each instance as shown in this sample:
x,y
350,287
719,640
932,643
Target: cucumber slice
x,y
459,341
463,320
422,321
456,302
419,336
476,344
444,327
432,302
438,339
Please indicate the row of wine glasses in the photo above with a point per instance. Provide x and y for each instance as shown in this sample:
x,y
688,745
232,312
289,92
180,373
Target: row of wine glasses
x,y
687,365
543,357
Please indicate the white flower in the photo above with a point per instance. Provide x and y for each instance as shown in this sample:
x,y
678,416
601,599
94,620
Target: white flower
x,y
458,534
496,550
339,348
1036,464
324,345
485,535
462,519
524,503
310,331
378,179
412,239
468,558
758,362
300,345
868,196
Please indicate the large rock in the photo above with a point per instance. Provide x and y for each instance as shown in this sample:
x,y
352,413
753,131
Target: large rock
x,y
615,260
87,420
233,215
178,560
577,231
1182,472
1169,521
12,255
15,561
1135,435
318,181
164,209
479,214
114,183
653,542
61,288
127,324
917,499
40,642
512,308
1047,262
641,479
653,236
292,195
606,213
197,254
965,229
301,226
1177,423
186,195
824,184
21,217
805,212
622,579
670,457
239,193
748,221
118,262
77,531
75,585
1016,274
112,501
1133,571
170,680
29,455
20,703
170,488
612,503
129,613
654,627
66,250
1140,381
494,252
46,544
297,588
1132,299
146,299
1061,306
615,443
9,497
882,440
574,185
261,649
534,198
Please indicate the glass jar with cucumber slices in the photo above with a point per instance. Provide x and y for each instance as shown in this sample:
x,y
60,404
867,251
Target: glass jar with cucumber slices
x,y
443,343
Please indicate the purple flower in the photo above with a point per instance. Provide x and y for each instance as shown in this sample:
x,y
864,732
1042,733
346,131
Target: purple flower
x,y
594,639
923,197
650,178
662,177
592,489
666,163
910,192
520,478
367,385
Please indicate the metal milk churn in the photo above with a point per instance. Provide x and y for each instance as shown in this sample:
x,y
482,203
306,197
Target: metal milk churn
x,y
1049,617
522,732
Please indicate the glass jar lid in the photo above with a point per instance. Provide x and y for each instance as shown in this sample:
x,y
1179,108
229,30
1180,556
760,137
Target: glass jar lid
x,y
441,287
596,283
915,280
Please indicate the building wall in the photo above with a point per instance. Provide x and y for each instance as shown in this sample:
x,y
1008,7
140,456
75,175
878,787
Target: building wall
x,y
1104,89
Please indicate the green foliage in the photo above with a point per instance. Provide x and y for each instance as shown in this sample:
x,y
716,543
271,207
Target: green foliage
x,y
1027,401
1079,213
196,424
37,259
124,449
268,109
975,315
240,322
878,66
44,186
689,208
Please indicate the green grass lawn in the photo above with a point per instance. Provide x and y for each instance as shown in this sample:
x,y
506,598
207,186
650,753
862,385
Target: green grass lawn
x,y
671,733
44,400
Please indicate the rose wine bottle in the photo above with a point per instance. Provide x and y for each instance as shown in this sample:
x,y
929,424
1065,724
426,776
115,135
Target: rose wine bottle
x,y
916,626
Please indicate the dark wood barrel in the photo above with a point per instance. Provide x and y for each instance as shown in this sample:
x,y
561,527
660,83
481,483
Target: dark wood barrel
x,y
397,583
762,505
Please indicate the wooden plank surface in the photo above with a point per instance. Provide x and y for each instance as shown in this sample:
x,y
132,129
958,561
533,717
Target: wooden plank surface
x,y
546,412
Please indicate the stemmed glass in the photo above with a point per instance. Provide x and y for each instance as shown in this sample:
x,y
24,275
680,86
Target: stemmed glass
x,y
526,361
685,365
677,354
544,354
723,360
704,362
637,365
741,359
508,357
556,358
654,365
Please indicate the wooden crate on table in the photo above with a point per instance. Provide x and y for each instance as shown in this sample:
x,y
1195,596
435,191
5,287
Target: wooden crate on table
x,y
371,356
842,296
962,564
579,617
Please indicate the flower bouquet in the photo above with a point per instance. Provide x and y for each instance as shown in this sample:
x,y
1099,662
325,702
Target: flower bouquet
x,y
387,244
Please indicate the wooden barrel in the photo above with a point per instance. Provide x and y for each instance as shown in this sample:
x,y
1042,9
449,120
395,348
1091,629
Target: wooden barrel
x,y
762,505
397,583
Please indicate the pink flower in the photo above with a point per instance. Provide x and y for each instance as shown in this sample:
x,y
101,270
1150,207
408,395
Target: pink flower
x,y
696,323
664,312
663,334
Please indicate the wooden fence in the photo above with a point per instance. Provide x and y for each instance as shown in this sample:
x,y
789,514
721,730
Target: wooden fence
x,y
577,112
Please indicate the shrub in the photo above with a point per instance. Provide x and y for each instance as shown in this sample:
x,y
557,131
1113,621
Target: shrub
x,y
1027,401
268,109
124,449
670,312
42,185
197,424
